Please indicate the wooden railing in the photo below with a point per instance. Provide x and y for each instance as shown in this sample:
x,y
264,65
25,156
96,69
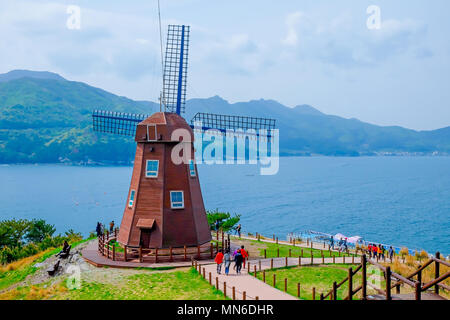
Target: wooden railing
x,y
107,246
417,284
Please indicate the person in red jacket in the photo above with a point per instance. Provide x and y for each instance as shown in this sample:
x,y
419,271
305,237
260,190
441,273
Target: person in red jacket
x,y
219,261
244,255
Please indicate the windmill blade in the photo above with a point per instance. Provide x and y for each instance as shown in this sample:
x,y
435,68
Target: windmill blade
x,y
238,123
175,68
116,122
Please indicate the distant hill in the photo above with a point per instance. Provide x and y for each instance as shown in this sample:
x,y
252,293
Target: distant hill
x,y
17,74
46,119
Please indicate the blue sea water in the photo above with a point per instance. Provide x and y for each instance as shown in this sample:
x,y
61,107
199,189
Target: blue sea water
x,y
404,201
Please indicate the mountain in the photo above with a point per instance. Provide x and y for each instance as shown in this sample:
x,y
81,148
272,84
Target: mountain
x,y
17,74
45,118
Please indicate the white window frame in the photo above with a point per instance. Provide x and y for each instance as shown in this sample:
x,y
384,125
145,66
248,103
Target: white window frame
x,y
182,200
131,201
192,172
146,169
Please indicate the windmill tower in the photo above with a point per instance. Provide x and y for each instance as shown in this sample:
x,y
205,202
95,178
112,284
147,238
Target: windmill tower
x,y
165,205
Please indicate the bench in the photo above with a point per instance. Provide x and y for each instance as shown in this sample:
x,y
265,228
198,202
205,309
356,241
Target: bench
x,y
51,271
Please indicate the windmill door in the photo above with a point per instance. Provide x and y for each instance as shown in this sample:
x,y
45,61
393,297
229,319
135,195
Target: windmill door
x,y
145,238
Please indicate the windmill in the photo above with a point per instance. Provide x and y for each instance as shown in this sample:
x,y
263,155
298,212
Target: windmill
x,y
165,206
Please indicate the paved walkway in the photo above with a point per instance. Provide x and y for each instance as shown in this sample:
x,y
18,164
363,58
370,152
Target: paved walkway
x,y
254,287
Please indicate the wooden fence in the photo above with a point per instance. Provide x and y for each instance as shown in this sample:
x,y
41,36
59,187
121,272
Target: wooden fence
x,y
108,247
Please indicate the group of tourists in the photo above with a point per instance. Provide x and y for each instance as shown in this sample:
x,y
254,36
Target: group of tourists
x,y
378,251
342,244
239,257
99,229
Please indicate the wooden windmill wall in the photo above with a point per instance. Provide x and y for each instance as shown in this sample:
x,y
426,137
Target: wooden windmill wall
x,y
151,221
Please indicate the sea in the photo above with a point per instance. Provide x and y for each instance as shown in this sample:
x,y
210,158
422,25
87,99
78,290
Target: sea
x,y
402,201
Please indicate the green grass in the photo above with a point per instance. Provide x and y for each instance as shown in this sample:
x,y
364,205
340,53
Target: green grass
x,y
320,277
177,285
272,251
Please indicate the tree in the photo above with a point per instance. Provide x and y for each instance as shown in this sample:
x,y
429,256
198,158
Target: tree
x,y
39,230
226,221
12,232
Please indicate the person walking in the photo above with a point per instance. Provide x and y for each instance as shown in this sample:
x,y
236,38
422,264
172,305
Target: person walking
x,y
369,249
375,251
217,225
238,261
111,226
238,230
244,255
227,261
219,261
382,252
391,253
98,229
332,242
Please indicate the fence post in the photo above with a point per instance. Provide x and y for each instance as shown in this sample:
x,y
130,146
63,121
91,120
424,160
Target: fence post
x,y
248,267
156,255
298,290
274,280
334,258
301,253
334,290
140,254
259,262
350,284
388,283
264,276
277,240
210,278
125,258
254,267
278,252
299,261
364,277
285,284
436,272
271,263
290,253
312,259
244,295
323,259
170,253
314,293
212,251
419,285
234,293
114,252
353,259
217,283
343,259
224,289
265,254
286,258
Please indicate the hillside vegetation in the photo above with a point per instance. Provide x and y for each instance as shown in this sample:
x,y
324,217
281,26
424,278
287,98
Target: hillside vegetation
x,y
45,118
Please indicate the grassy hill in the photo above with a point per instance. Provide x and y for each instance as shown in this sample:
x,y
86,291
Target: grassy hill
x,y
45,118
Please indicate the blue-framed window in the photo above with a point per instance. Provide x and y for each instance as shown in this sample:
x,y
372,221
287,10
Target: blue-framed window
x,y
192,168
151,170
131,201
177,199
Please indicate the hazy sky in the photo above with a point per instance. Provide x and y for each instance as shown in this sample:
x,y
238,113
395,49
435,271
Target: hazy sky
x,y
313,52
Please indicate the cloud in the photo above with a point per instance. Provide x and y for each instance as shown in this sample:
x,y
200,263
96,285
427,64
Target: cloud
x,y
342,43
292,20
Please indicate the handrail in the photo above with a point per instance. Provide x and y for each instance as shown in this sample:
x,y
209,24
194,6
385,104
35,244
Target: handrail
x,y
394,274
445,263
435,281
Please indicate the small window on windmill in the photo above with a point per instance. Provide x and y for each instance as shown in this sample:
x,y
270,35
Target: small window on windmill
x,y
151,170
176,199
131,201
192,168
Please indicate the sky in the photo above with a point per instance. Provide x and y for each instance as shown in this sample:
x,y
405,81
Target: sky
x,y
334,55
